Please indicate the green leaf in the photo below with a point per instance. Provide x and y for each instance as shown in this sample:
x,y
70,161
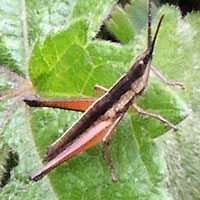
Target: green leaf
x,y
6,58
95,11
13,34
184,160
150,161
58,54
121,26
74,62
126,23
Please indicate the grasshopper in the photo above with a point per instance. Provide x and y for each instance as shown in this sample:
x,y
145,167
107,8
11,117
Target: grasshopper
x,y
101,116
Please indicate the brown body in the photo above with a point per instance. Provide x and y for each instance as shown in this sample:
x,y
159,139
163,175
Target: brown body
x,y
109,106
98,117
102,115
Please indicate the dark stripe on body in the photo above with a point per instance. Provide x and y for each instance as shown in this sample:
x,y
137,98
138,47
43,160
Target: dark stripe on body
x,y
104,104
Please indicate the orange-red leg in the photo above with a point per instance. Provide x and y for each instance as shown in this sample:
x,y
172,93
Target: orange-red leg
x,y
87,139
78,104
101,131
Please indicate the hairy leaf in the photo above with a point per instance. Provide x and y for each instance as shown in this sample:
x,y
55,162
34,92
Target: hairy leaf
x,y
66,60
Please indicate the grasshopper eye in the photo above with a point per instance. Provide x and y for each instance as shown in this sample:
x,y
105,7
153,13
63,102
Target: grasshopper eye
x,y
141,63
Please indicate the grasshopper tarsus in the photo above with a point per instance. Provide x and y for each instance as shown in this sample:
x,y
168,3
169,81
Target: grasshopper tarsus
x,y
155,115
165,80
114,178
36,175
107,156
176,128
176,84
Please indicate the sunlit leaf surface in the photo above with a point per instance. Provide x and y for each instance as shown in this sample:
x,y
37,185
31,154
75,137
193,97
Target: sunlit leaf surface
x,y
53,44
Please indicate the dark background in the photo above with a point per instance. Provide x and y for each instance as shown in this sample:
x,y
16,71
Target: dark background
x,y
185,5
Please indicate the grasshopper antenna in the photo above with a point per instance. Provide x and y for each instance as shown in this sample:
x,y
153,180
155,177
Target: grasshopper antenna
x,y
156,34
151,43
149,25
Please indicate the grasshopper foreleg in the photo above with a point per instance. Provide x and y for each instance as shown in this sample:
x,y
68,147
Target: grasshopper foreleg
x,y
165,80
157,116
